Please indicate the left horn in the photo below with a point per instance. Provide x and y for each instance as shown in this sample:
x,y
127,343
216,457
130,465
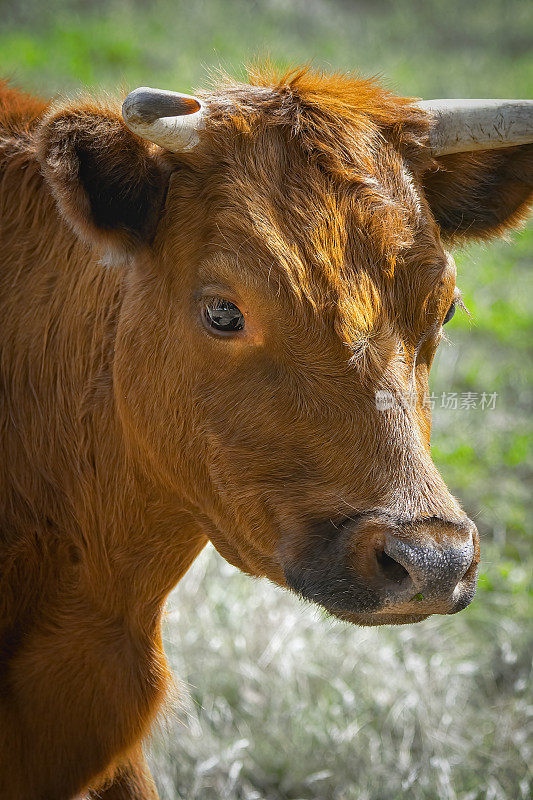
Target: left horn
x,y
460,126
168,119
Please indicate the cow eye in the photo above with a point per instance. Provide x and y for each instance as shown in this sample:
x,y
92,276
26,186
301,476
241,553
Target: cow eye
x,y
449,314
223,316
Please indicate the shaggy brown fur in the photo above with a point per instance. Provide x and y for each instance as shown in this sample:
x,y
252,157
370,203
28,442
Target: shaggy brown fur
x,y
130,435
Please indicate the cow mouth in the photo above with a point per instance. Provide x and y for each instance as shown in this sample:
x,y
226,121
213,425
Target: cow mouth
x,y
375,620
409,613
411,610
361,605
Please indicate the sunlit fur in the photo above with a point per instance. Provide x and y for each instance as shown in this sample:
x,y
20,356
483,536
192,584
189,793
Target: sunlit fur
x,y
131,435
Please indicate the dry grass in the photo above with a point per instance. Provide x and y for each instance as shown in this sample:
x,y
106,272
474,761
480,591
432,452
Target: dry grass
x,y
281,703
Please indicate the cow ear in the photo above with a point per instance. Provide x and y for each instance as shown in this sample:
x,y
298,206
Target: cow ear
x,y
109,184
479,195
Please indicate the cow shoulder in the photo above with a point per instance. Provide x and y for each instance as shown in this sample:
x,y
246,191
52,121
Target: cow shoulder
x,y
479,195
109,184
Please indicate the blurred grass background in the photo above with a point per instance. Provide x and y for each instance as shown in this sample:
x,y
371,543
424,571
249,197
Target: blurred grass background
x,y
278,703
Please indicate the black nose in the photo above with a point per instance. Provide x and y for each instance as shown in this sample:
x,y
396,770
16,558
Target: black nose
x,y
435,555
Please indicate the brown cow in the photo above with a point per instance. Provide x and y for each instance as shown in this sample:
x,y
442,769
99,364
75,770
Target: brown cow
x,y
193,339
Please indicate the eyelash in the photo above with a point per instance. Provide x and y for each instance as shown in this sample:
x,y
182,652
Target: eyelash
x,y
450,313
457,303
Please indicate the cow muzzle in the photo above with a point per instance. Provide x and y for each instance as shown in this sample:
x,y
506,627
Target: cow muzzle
x,y
377,570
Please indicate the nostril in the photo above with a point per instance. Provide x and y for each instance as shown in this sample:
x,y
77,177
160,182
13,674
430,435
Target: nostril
x,y
435,565
389,568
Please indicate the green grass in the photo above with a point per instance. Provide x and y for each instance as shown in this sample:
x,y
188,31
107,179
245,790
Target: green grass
x,y
283,704
479,48
486,455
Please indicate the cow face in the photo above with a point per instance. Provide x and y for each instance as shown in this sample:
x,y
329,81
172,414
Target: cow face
x,y
281,313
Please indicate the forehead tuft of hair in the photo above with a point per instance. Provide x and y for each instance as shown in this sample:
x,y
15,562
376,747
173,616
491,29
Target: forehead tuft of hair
x,y
364,139
339,119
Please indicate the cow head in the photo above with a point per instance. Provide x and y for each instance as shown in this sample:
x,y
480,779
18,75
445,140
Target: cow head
x,y
285,288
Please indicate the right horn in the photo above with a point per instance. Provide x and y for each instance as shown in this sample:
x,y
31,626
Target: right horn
x,y
460,126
